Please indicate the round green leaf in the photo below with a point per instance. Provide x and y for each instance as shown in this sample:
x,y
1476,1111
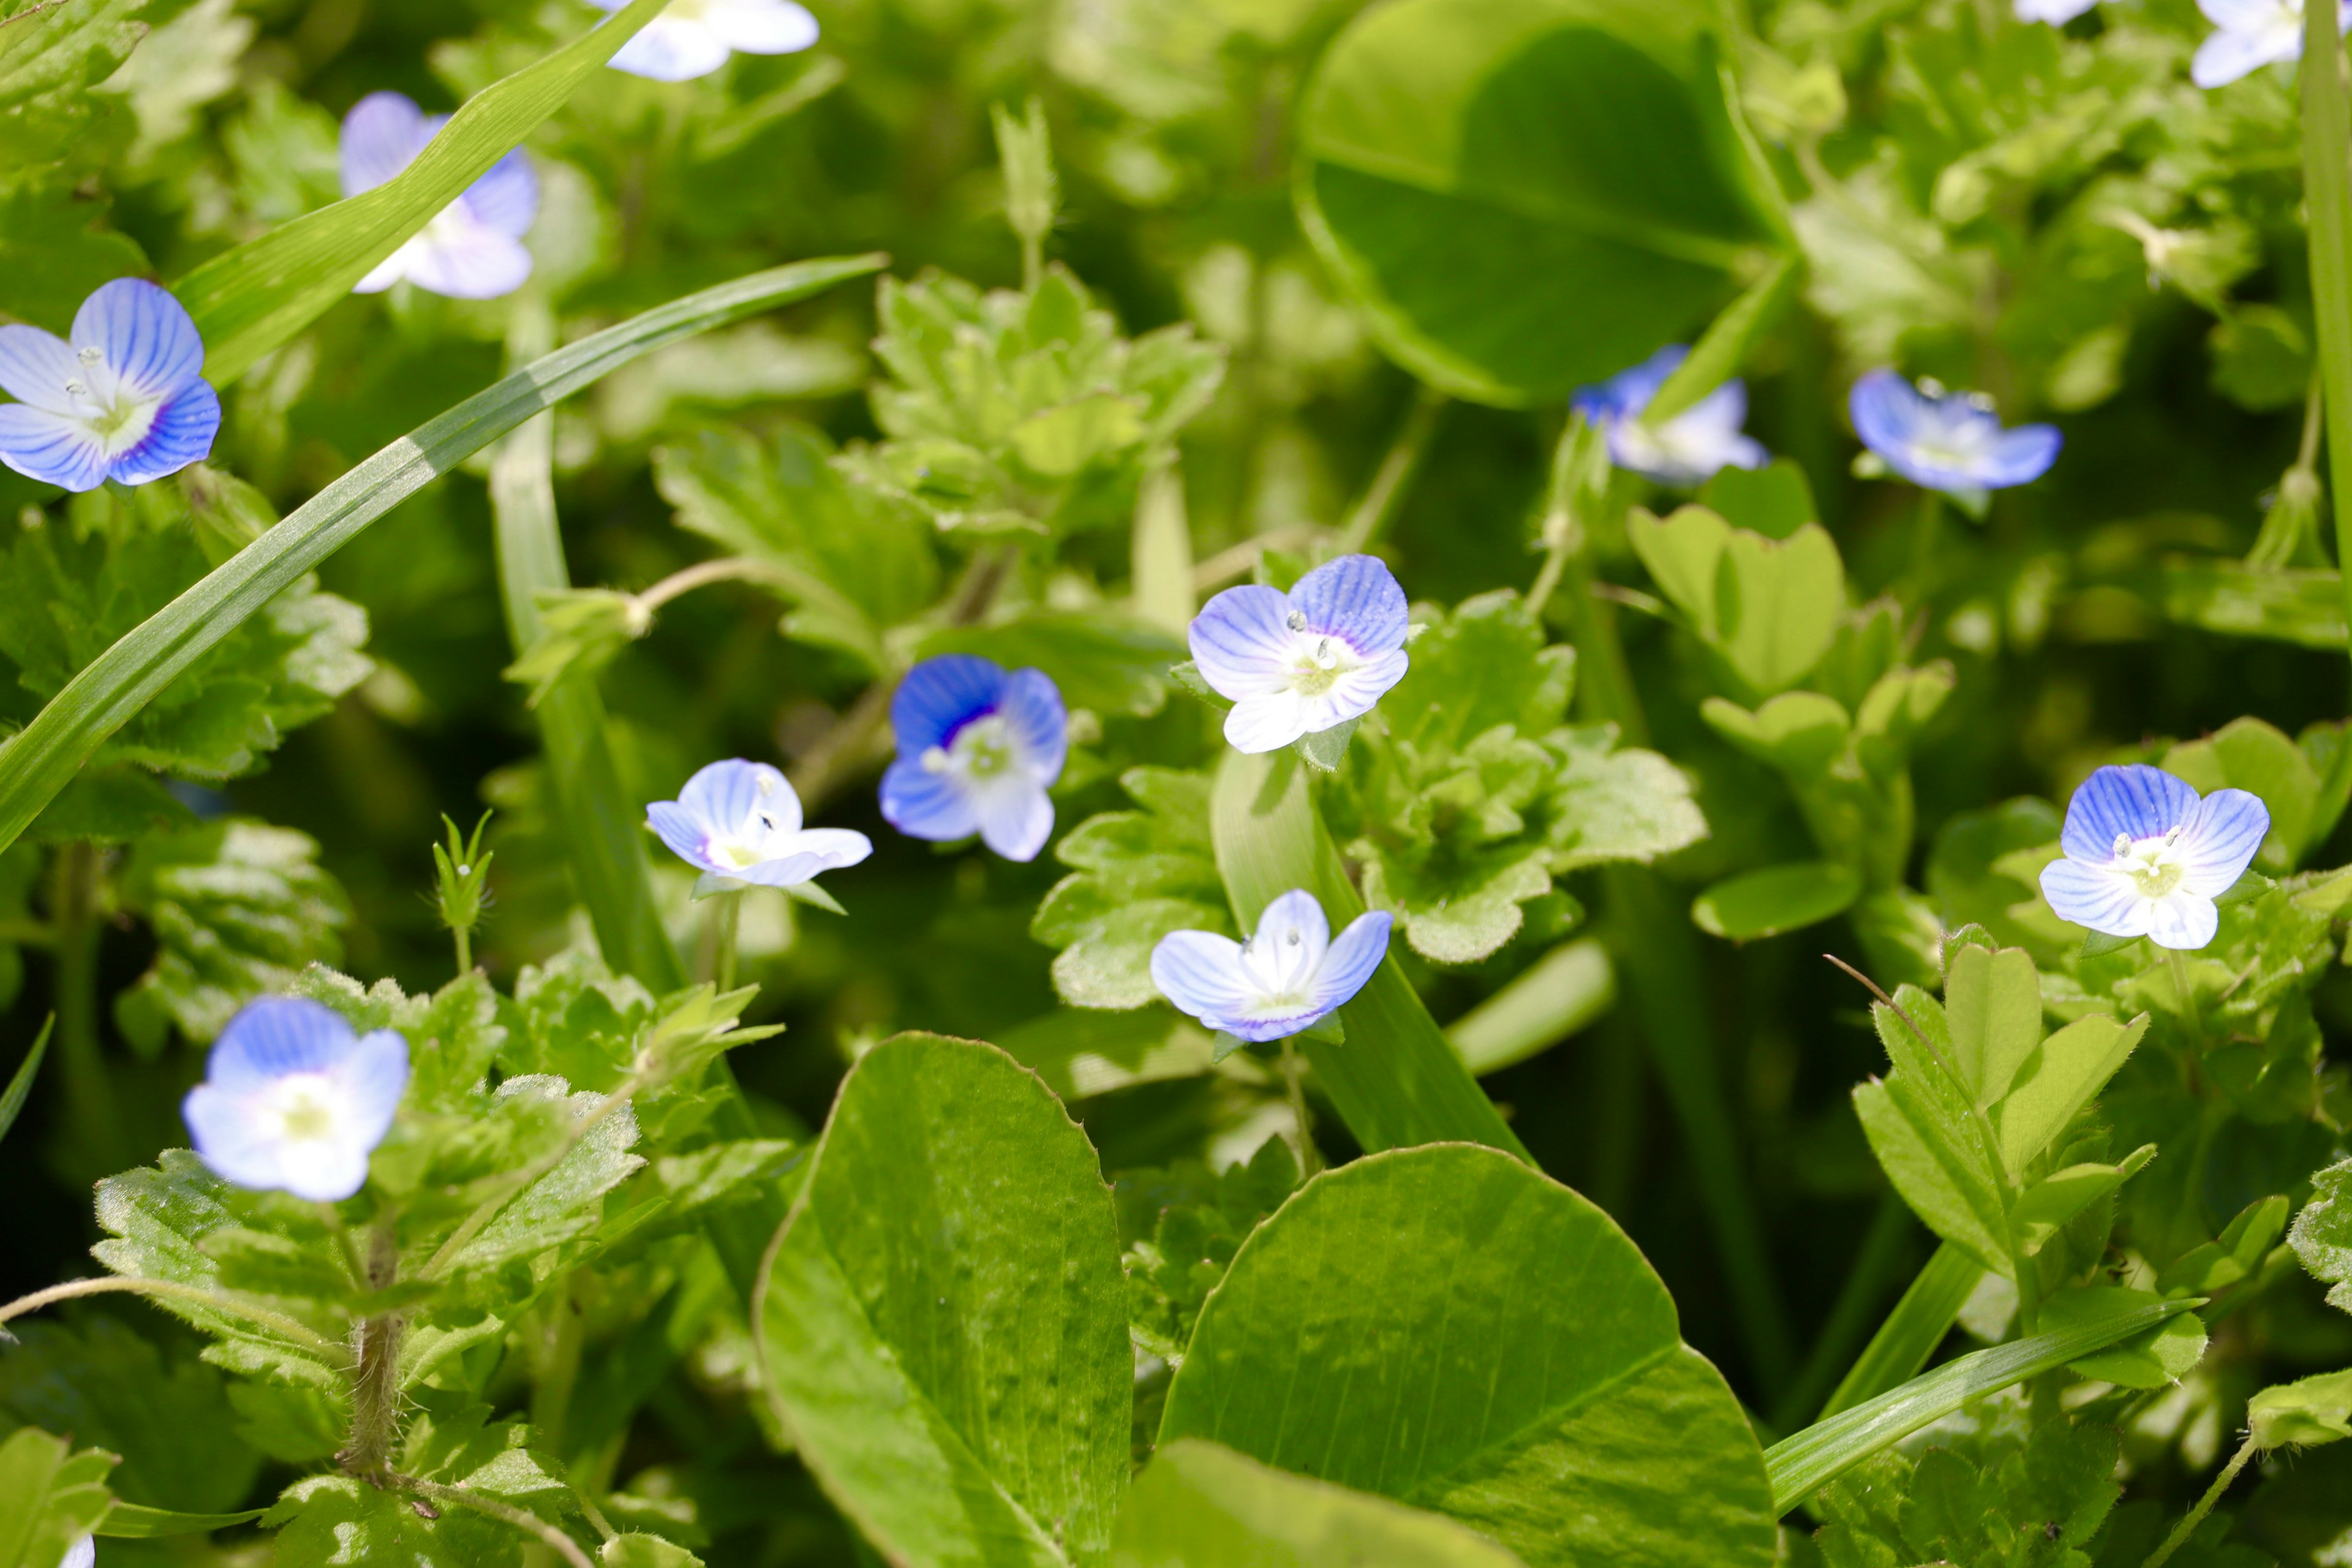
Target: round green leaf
x,y
1776,899
1449,1329
1528,194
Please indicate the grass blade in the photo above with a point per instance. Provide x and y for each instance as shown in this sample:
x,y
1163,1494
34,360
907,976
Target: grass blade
x,y
1911,1330
43,759
251,299
11,1103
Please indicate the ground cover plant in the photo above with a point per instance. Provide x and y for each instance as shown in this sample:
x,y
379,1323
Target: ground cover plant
x,y
1094,782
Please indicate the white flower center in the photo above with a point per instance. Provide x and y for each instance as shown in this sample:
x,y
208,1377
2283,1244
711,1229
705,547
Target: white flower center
x,y
1316,660
112,412
1278,968
754,845
2153,864
982,752
304,1107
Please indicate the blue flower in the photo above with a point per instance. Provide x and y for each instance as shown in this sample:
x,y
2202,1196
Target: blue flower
x,y
977,751
82,1553
2249,34
1687,450
125,400
472,249
294,1101
694,38
2057,13
2146,856
1289,973
740,824
1949,441
1299,663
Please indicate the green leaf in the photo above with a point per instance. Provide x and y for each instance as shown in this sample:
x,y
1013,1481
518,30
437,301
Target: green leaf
x,y
1911,1330
2301,606
1774,500
50,1496
1801,1464
1528,195
339,1522
2045,1207
2154,1357
1406,1325
1101,659
2062,1074
568,1201
20,1086
943,1319
1992,1006
1564,991
2248,755
2304,1414
1729,339
1083,1052
1777,898
2322,1237
1137,876
637,1550
1767,607
1482,665
1938,1182
1185,1225
129,1521
250,301
112,689
1200,1505
1616,804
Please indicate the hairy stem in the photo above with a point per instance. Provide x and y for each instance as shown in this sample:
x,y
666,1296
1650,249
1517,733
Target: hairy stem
x,y
275,1323
2196,1516
530,1523
376,1375
728,569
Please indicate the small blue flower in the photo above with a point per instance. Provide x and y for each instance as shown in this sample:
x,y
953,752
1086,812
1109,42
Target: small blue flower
x,y
1949,441
1687,450
739,823
2057,13
124,400
1288,975
977,751
294,1101
2146,856
1299,663
2249,34
694,38
82,1553
472,249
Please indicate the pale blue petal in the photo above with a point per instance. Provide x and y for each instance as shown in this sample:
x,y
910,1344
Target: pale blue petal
x,y
667,49
2094,896
275,1036
231,1141
686,835
376,1074
1356,599
1017,817
2022,456
381,135
812,853
506,200
51,448
1352,960
1242,642
149,340
2219,841
924,804
1032,708
2182,920
1258,1029
1626,394
468,261
2057,13
1355,693
182,433
1287,944
760,26
1886,411
82,1553
35,366
1202,974
940,696
726,796
2134,801
2226,55
1270,721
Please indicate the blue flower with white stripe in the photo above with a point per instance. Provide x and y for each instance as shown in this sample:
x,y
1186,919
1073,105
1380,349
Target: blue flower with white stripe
x,y
1289,976
1687,450
121,398
693,37
739,823
2146,856
471,250
2249,34
978,746
294,1100
1948,441
1299,663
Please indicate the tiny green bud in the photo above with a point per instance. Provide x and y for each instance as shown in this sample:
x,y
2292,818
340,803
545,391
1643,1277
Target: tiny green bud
x,y
463,873
1025,148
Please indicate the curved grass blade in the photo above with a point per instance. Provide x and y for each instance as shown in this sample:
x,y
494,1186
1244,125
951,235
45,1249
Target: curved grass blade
x,y
12,1101
251,299
129,1521
1911,1330
1803,1464
43,759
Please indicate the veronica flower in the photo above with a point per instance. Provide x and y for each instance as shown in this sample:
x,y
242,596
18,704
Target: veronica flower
x,y
739,823
123,400
472,249
2249,34
82,1553
294,1101
1687,450
977,748
694,38
1949,441
1299,663
1288,975
2057,13
2147,856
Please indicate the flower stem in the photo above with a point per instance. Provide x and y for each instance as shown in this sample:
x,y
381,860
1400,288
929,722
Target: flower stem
x,y
2196,1516
530,1523
726,569
727,920
1927,539
1294,1074
2328,193
375,1377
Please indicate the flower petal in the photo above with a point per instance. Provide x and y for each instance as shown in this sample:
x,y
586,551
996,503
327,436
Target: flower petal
x,y
82,1553
810,854
1031,706
1352,960
35,366
1887,410
2182,920
2022,456
726,796
1356,694
1357,599
2134,802
1017,817
1202,974
230,1140
668,49
381,135
2227,54
2057,13
182,434
1628,391
388,271
921,804
1287,944
275,1036
2094,896
51,448
150,342
760,26
2220,840
374,1074
506,200
321,1170
462,260
683,831
1267,722
940,696
1243,642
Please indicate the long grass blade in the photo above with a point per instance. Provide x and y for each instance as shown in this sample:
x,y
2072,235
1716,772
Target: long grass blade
x,y
11,1103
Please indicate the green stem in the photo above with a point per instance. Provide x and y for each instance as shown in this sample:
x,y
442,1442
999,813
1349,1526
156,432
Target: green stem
x,y
1386,492
376,1375
2196,1516
277,1323
1926,539
727,921
1294,1074
464,939
91,1110
2327,195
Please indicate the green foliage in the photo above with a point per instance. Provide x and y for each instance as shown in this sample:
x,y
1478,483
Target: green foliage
x,y
2006,1494
1182,1227
50,1496
2322,1237
1138,875
1767,606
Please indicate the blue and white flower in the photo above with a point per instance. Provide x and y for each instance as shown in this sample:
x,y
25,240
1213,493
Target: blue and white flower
x,y
1948,441
1286,977
82,1553
694,38
978,749
2249,34
739,823
2146,856
1687,450
123,399
2057,13
1299,663
472,249
294,1101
